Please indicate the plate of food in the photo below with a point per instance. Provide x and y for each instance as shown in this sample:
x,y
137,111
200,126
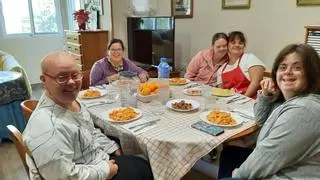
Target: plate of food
x,y
91,93
222,92
221,118
183,105
193,91
178,81
122,114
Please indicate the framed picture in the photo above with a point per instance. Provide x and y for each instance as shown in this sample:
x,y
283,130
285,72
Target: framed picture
x,y
236,4
308,2
182,8
94,5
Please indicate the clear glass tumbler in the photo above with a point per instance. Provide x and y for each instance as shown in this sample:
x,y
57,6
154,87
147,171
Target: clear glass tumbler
x,y
164,92
206,93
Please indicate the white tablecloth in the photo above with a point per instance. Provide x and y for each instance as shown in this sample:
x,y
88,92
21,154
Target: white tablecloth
x,y
172,147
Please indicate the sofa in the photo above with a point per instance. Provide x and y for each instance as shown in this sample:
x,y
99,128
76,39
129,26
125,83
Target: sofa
x,y
9,63
12,93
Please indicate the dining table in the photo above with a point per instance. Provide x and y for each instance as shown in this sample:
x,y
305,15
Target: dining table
x,y
13,91
171,145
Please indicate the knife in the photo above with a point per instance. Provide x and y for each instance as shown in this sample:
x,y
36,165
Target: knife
x,y
236,99
145,123
246,101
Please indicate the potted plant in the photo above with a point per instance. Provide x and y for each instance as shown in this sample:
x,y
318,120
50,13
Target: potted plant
x,y
81,16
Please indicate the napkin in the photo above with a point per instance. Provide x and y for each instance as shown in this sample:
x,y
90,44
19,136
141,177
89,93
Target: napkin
x,y
248,112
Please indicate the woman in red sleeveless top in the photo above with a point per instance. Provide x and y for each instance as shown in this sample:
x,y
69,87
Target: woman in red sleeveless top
x,y
243,71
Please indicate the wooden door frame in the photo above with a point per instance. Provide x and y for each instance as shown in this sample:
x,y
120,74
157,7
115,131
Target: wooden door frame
x,y
112,24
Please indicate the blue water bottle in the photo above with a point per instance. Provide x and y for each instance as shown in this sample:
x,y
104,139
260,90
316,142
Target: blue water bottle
x,y
163,68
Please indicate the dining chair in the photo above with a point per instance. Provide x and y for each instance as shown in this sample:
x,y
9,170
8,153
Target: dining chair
x,y
86,79
28,106
17,139
267,74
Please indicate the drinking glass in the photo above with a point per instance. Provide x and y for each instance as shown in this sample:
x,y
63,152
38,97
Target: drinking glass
x,y
207,96
164,93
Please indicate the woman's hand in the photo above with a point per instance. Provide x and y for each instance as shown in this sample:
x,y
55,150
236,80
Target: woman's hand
x,y
113,78
268,87
143,77
113,168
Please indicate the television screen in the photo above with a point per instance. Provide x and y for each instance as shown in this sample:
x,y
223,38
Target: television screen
x,y
150,38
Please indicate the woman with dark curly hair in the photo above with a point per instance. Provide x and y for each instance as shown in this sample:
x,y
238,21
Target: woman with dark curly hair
x,y
288,109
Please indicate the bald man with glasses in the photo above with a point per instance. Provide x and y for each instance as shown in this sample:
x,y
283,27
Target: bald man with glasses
x,y
61,135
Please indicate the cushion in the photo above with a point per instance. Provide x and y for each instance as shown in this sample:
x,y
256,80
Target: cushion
x,y
1,63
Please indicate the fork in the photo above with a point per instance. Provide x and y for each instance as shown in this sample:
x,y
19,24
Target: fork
x,y
90,104
144,126
243,114
236,99
145,123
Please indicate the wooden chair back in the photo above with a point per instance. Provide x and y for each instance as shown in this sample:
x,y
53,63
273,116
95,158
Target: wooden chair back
x,y
86,79
267,74
28,107
17,139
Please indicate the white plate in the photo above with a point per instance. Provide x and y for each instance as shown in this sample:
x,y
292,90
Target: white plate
x,y
222,92
105,115
195,104
173,84
187,92
102,92
236,117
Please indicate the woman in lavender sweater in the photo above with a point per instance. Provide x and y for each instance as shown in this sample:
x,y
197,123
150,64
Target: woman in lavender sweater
x,y
106,70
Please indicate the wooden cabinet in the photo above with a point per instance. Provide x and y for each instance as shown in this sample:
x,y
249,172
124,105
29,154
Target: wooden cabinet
x,y
87,47
312,37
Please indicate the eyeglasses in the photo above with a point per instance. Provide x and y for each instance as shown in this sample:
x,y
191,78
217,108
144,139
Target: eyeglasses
x,y
116,50
62,79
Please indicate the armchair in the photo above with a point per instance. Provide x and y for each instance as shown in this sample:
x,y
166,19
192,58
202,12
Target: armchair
x,y
15,88
9,63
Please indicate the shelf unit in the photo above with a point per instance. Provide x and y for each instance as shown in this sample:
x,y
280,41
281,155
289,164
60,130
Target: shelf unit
x,y
312,37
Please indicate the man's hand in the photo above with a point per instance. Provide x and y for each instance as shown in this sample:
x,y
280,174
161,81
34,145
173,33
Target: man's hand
x,y
143,77
113,168
118,152
268,87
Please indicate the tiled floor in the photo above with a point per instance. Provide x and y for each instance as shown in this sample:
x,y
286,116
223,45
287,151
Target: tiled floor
x,y
11,167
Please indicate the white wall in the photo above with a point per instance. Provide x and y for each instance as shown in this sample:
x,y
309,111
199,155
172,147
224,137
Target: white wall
x,y
29,51
105,19
269,25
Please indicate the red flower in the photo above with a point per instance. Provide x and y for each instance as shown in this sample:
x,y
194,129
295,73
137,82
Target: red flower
x,y
81,16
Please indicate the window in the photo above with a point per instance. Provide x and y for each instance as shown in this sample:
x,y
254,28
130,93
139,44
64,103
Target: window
x,y
30,16
73,5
